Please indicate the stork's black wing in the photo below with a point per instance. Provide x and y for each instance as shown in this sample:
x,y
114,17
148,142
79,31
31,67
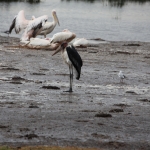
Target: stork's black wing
x,y
75,59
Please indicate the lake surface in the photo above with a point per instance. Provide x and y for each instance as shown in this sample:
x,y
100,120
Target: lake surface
x,y
107,19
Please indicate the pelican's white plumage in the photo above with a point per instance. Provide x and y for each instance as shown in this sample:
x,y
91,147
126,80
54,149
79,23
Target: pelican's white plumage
x,y
49,26
34,27
38,43
19,23
80,42
30,27
65,35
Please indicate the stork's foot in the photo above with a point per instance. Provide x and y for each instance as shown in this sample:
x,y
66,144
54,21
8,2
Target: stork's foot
x,y
70,90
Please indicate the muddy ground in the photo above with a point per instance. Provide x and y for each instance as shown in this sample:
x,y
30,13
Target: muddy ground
x,y
100,113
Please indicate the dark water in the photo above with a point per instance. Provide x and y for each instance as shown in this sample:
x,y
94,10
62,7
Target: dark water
x,y
113,20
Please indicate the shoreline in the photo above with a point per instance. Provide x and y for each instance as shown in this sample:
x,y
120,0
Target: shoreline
x,y
100,113
93,39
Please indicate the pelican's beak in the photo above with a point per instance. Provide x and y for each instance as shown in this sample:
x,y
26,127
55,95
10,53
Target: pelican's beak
x,y
57,20
57,50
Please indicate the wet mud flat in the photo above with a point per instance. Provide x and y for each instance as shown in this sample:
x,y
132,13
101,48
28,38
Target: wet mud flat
x,y
100,113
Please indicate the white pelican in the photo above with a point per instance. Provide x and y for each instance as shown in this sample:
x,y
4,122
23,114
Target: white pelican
x,y
72,59
19,23
49,26
31,27
80,42
121,76
38,43
63,36
34,27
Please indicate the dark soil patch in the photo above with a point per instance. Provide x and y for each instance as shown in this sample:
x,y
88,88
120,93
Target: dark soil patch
x,y
131,44
50,87
103,115
31,136
116,110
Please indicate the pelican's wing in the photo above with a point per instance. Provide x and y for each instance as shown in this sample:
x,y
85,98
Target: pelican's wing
x,y
34,27
12,26
20,23
62,36
37,24
80,42
39,42
48,25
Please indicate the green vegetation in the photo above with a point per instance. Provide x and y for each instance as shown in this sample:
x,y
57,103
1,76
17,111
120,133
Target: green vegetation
x,y
5,148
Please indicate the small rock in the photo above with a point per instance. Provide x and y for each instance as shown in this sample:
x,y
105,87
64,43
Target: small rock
x,y
131,92
132,44
144,100
38,82
15,82
38,73
121,105
17,78
30,136
3,126
116,110
50,87
33,106
103,115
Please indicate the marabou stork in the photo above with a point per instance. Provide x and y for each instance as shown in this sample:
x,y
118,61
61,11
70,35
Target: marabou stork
x,y
72,59
49,26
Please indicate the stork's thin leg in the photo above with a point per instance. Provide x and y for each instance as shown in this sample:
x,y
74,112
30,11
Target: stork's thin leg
x,y
71,70
71,79
72,73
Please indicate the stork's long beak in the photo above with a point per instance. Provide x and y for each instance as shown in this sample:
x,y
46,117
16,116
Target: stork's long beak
x,y
57,50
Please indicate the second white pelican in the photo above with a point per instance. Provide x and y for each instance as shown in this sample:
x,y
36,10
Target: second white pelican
x,y
49,26
64,36
34,27
80,42
37,43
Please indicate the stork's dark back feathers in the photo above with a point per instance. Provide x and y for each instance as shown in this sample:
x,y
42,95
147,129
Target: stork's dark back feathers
x,y
75,59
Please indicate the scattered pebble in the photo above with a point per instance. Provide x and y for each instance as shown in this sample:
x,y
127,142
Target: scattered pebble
x,y
50,87
103,115
116,110
30,136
